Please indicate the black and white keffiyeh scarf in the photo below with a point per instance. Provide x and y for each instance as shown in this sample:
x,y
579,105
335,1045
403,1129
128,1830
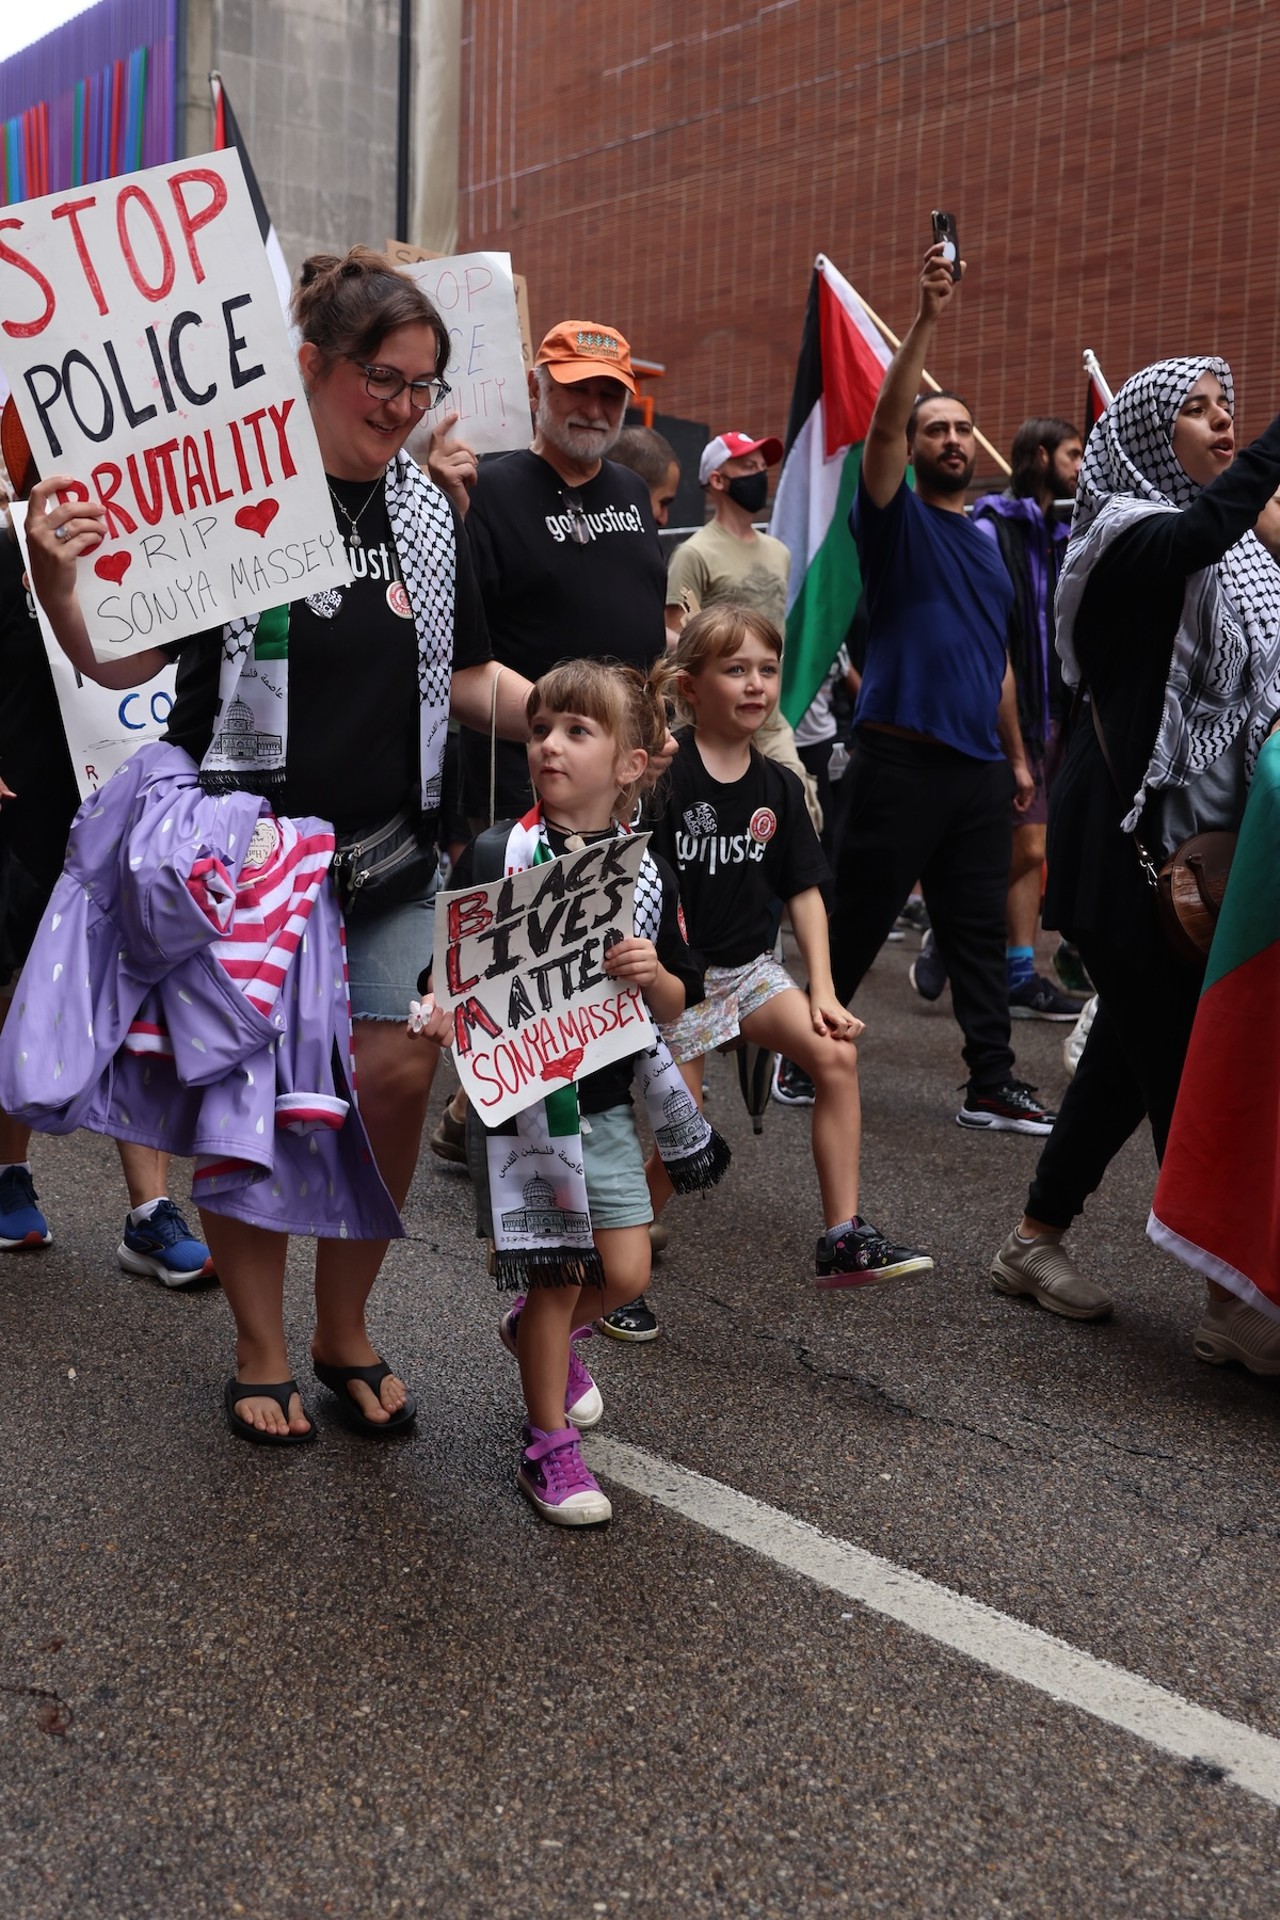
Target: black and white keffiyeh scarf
x,y
1224,675
251,739
541,1222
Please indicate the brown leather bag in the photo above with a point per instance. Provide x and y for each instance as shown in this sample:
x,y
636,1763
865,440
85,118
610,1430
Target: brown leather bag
x,y
1189,890
1189,885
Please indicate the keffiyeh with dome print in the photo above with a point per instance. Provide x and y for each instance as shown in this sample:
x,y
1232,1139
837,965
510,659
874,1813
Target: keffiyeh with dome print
x,y
537,1183
1224,673
251,739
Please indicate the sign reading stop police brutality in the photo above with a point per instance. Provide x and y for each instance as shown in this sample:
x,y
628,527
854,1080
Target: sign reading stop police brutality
x,y
141,334
518,965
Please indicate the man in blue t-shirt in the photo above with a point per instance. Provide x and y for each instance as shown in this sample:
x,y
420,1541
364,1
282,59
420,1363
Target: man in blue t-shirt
x,y
937,754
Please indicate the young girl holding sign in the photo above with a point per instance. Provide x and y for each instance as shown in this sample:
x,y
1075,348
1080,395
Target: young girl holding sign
x,y
561,1188
734,826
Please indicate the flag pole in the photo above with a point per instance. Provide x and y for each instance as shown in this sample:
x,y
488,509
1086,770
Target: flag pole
x,y
929,381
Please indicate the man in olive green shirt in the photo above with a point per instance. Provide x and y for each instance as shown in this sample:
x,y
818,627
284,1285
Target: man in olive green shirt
x,y
727,559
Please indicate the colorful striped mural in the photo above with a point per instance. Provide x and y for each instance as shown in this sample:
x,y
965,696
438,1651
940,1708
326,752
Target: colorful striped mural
x,y
93,99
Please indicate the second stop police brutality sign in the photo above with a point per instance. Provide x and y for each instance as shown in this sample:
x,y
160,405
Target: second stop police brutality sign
x,y
141,334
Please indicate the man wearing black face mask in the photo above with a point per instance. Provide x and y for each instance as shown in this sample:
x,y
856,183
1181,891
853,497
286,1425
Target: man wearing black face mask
x,y
727,559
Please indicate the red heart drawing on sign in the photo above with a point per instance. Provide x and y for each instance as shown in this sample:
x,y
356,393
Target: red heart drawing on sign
x,y
258,519
563,1069
113,567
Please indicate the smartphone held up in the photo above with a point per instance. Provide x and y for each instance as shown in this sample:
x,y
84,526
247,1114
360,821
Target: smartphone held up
x,y
945,236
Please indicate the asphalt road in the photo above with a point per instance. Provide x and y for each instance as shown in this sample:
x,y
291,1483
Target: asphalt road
x,y
358,1680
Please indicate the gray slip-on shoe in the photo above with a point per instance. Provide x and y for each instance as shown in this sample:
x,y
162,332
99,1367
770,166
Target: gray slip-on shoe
x,y
1231,1330
1042,1271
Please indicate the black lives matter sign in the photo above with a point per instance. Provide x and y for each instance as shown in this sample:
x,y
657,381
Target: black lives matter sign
x,y
141,334
519,964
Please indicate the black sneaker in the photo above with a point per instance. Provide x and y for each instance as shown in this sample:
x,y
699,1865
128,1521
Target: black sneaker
x,y
1012,1108
928,971
914,917
636,1322
792,1086
1038,999
862,1256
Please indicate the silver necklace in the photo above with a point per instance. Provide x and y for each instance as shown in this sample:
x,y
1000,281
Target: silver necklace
x,y
353,538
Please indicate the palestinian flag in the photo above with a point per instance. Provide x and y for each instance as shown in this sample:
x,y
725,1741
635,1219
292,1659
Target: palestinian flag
x,y
842,364
1098,395
1217,1203
226,133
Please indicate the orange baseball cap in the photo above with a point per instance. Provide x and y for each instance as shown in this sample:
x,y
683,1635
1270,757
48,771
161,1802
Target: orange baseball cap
x,y
584,350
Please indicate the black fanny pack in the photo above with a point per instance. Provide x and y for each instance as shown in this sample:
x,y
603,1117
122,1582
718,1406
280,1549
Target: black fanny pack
x,y
385,866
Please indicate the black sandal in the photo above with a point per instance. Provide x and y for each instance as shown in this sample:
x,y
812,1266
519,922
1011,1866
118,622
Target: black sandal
x,y
245,1429
337,1380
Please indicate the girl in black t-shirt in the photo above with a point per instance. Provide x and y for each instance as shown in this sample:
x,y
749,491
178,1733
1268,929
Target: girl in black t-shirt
x,y
735,828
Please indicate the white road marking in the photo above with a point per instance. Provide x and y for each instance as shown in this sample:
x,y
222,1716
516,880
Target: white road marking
x,y
996,1640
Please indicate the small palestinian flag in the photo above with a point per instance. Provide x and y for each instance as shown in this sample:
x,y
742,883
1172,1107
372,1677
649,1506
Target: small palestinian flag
x,y
841,367
226,133
1098,395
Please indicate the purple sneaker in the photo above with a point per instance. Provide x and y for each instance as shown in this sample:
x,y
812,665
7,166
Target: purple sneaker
x,y
553,1476
583,1406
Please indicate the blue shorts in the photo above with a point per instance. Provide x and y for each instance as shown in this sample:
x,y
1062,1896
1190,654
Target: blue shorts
x,y
612,1163
385,954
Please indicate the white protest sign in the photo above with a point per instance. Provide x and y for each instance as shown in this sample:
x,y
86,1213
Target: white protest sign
x,y
141,333
488,388
518,965
102,727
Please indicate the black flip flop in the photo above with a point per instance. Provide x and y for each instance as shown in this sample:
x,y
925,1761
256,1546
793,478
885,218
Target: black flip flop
x,y
245,1430
337,1380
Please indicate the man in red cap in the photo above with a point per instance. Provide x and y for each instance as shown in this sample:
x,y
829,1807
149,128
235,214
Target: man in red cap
x,y
727,559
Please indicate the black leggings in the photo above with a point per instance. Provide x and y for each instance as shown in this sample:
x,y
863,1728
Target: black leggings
x,y
1130,1067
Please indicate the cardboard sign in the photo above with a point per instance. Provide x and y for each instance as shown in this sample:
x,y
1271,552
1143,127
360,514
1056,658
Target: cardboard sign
x,y
102,727
141,333
488,388
401,254
518,965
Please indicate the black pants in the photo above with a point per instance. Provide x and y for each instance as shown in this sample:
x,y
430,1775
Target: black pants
x,y
918,810
1130,1068
816,759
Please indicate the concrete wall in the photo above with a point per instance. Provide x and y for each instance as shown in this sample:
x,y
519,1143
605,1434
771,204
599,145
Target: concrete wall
x,y
314,85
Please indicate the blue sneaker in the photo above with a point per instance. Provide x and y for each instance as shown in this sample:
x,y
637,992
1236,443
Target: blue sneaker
x,y
22,1225
165,1249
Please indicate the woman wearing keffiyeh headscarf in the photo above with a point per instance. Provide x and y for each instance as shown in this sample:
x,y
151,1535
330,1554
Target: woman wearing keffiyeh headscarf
x,y
1168,616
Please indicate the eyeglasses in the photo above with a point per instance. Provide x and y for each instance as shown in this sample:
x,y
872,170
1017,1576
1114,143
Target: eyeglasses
x,y
579,531
384,383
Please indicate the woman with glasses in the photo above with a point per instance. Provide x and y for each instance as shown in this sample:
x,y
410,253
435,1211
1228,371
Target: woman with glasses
x,y
373,672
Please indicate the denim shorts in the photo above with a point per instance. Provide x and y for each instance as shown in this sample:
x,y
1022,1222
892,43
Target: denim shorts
x,y
385,954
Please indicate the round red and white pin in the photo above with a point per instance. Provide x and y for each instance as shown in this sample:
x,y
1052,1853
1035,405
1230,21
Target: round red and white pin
x,y
398,600
764,824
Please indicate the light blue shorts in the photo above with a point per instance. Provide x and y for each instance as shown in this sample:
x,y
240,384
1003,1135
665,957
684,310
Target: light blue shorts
x,y
385,954
617,1191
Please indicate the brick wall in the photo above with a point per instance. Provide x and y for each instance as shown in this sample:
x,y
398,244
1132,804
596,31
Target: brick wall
x,y
673,169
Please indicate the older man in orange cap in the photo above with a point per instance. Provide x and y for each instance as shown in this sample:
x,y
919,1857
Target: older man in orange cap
x,y
565,546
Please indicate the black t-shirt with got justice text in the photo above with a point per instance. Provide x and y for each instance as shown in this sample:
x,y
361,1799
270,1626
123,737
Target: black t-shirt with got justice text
x,y
739,847
548,597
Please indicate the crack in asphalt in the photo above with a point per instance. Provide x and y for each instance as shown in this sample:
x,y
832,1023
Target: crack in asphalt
x,y
55,1715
